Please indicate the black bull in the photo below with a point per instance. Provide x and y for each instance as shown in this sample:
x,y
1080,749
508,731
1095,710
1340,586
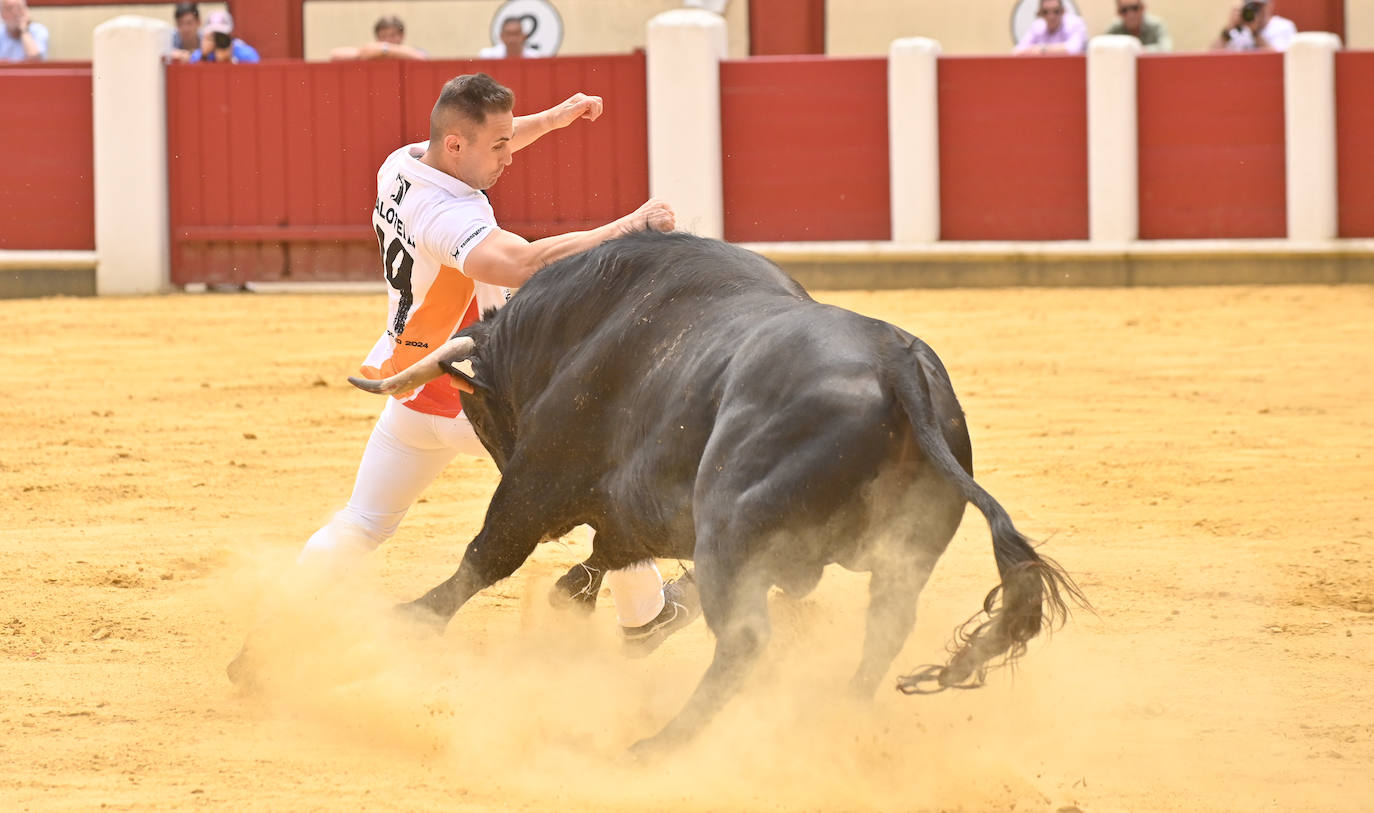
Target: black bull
x,y
688,400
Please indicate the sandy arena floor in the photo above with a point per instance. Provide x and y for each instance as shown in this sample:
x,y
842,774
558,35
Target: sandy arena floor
x,y
1202,460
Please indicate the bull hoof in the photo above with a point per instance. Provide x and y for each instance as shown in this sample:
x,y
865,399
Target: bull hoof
x,y
241,670
422,616
651,750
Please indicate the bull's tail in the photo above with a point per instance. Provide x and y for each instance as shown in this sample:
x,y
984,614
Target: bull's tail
x,y
1035,591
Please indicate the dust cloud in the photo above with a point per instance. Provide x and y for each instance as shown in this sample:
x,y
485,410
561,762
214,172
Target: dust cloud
x,y
553,706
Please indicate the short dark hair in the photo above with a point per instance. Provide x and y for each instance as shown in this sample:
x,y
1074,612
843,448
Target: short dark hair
x,y
183,9
388,21
470,97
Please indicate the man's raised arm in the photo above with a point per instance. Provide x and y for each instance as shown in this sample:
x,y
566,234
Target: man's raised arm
x,y
529,129
507,259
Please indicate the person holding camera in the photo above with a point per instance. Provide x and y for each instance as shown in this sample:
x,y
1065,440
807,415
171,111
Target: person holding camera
x,y
218,43
1254,26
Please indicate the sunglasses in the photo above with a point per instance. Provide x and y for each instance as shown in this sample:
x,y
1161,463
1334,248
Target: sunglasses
x,y
1129,9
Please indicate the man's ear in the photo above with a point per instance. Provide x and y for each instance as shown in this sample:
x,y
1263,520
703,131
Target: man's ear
x,y
452,143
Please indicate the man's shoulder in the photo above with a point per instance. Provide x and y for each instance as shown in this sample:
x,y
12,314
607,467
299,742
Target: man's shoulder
x,y
244,52
1283,23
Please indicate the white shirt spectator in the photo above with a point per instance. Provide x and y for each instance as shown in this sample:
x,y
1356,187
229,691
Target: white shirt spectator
x,y
12,48
498,51
1278,32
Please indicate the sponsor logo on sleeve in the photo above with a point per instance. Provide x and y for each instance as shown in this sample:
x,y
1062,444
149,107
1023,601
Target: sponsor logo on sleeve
x,y
478,232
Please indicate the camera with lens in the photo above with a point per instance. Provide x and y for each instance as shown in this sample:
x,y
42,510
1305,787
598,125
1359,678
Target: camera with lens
x,y
1251,10
222,40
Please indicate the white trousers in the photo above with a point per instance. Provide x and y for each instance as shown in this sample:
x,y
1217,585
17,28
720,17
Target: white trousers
x,y
406,451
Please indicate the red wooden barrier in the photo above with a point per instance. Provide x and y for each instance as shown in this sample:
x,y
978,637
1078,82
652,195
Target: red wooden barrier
x,y
273,166
805,153
1013,148
1211,146
47,188
1355,142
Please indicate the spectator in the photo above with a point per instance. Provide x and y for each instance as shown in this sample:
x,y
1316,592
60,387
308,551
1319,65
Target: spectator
x,y
186,36
1145,27
218,43
389,35
1055,31
512,44
24,40
1254,26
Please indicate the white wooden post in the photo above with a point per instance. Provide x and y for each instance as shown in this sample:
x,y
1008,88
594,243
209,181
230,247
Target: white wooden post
x,y
1309,111
129,101
1113,140
913,124
683,56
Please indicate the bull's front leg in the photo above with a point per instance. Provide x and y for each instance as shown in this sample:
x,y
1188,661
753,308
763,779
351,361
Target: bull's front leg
x,y
510,533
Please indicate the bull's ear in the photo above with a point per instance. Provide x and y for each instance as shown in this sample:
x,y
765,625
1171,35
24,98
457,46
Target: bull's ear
x,y
456,370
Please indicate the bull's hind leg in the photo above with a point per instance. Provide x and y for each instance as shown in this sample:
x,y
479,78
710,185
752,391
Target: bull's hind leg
x,y
927,513
734,601
892,593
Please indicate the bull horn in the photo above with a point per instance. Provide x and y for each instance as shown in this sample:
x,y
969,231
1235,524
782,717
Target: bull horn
x,y
421,372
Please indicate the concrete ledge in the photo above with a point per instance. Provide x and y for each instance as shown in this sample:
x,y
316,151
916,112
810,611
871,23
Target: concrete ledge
x,y
873,265
884,265
25,274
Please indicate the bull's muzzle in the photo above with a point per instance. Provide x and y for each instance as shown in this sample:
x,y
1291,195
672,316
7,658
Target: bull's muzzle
x,y
423,371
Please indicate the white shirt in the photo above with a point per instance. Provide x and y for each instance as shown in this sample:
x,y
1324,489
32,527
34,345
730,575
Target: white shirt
x,y
498,51
12,48
1278,32
427,222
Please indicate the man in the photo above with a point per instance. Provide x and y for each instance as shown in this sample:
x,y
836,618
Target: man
x,y
1135,22
218,43
512,44
441,251
186,35
388,42
1254,26
24,40
1055,31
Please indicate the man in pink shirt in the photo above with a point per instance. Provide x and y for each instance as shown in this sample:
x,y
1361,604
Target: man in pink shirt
x,y
1055,31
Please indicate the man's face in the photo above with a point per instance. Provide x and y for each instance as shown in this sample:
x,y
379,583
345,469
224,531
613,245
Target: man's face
x,y
1053,12
484,151
392,35
11,11
187,26
1131,12
513,35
